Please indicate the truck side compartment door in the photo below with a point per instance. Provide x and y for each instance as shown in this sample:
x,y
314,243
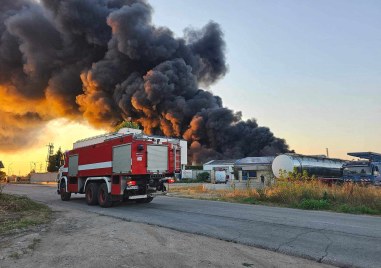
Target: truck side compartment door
x,y
121,159
157,159
73,173
73,165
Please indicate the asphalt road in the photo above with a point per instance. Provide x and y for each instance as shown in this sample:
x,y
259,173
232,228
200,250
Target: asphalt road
x,y
333,238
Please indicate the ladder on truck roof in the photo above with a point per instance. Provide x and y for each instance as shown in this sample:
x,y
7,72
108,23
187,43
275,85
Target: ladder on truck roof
x,y
375,157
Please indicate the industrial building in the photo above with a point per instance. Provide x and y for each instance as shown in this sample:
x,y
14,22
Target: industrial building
x,y
219,166
249,168
260,171
253,168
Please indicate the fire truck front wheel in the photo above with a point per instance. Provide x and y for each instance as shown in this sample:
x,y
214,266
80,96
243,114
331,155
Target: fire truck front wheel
x,y
104,197
92,194
65,196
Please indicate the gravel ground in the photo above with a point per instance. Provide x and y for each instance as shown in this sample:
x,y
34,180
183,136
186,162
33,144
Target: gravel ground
x,y
85,239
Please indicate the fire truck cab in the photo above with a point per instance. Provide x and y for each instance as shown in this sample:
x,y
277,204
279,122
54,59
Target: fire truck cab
x,y
121,166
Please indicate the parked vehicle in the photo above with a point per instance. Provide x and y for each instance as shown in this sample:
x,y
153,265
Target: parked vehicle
x,y
120,166
221,176
363,171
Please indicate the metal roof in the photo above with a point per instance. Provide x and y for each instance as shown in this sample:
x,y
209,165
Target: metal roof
x,y
263,160
221,162
367,155
318,157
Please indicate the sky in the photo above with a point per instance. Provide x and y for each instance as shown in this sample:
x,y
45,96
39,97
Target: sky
x,y
308,70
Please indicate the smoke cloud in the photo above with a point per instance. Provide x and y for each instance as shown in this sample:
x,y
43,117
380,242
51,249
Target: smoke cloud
x,y
104,61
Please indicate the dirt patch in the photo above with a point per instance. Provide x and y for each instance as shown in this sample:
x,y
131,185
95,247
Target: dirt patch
x,y
22,221
83,239
20,243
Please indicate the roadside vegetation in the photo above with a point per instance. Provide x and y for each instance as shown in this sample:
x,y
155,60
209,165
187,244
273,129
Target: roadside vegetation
x,y
19,212
299,191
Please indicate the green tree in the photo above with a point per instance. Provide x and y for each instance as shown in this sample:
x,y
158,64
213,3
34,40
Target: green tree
x,y
203,176
55,161
2,175
127,124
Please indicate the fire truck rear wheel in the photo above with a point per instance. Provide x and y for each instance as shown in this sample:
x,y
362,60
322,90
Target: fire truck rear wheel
x,y
92,194
104,197
65,196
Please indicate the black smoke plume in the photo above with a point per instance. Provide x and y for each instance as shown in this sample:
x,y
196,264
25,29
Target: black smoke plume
x,y
104,61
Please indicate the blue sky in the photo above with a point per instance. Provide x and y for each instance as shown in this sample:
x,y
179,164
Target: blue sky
x,y
309,70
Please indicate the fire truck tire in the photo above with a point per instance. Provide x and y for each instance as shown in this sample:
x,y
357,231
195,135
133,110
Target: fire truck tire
x,y
104,197
92,194
144,200
65,196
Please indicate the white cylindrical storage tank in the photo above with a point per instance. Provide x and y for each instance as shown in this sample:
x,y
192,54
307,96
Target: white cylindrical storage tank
x,y
284,163
317,166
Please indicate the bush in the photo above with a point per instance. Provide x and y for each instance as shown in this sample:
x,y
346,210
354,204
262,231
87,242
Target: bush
x,y
357,209
313,194
193,167
202,177
288,192
314,204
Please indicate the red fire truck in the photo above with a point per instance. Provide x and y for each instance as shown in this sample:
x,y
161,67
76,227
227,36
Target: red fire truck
x,y
119,166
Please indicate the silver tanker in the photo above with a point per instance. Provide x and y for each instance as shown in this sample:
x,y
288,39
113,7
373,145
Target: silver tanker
x,y
320,166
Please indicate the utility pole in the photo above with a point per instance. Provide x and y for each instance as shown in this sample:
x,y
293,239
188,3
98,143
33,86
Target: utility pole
x,y
327,153
50,153
9,168
33,166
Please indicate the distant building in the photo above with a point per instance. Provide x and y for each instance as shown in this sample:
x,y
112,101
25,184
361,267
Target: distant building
x,y
254,167
220,165
43,177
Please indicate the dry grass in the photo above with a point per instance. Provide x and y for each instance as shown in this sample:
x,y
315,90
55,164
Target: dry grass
x,y
192,192
350,198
